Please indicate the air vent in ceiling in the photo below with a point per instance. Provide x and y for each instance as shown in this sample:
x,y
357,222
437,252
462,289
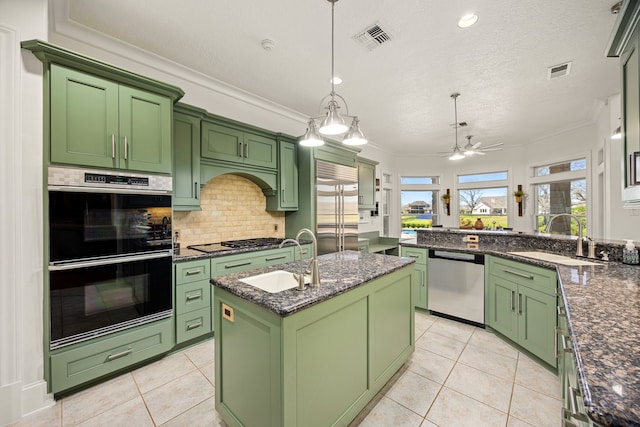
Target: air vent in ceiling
x,y
559,70
372,36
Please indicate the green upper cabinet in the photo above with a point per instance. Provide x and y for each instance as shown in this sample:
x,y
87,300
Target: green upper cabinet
x,y
186,158
233,145
286,197
98,115
98,122
366,183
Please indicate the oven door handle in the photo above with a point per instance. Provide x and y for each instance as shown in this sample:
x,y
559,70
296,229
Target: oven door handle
x,y
66,265
89,189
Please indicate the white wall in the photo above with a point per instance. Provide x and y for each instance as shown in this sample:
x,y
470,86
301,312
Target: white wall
x,y
22,389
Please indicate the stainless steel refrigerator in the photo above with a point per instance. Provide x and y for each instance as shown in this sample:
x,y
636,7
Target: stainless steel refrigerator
x,y
336,207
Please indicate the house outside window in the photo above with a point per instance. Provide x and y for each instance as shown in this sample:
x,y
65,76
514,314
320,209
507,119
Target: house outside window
x,y
483,196
419,203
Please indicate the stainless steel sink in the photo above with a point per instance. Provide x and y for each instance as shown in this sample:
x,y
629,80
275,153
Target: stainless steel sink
x,y
273,281
558,259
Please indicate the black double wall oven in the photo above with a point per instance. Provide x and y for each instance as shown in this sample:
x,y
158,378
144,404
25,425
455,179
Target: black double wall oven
x,y
110,252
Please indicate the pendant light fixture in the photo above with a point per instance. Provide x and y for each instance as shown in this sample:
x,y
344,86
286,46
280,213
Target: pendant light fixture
x,y
333,123
457,153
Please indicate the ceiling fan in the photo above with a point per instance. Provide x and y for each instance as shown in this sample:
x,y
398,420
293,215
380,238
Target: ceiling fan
x,y
472,149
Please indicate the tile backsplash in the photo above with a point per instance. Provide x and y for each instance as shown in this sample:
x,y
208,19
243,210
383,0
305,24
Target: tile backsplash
x,y
233,208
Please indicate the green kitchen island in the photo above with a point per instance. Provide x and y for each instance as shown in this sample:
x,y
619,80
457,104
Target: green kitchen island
x,y
312,357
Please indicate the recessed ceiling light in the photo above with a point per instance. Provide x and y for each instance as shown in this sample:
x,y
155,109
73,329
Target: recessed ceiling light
x,y
335,80
467,20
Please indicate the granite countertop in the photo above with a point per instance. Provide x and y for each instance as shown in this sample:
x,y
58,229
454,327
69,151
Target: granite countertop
x,y
186,254
603,312
339,273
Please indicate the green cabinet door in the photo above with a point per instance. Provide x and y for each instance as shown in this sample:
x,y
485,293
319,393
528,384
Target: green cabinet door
x,y
84,119
286,197
186,161
222,143
260,151
97,122
503,314
366,185
420,286
234,145
537,323
145,131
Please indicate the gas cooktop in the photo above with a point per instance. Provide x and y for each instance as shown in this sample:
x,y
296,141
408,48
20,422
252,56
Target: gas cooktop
x,y
237,244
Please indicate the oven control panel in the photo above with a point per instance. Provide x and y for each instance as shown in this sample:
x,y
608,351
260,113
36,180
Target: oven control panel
x,y
95,178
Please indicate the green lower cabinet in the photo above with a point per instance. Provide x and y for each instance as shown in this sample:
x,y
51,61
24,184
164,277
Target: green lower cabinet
x,y
521,305
317,367
420,283
87,361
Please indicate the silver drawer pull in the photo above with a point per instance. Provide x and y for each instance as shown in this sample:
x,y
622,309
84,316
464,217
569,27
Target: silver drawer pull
x,y
414,256
513,300
237,265
562,312
516,273
275,258
119,355
192,272
573,402
192,297
113,146
191,326
566,347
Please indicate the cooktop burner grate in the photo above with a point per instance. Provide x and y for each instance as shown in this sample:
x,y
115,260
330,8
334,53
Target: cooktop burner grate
x,y
252,243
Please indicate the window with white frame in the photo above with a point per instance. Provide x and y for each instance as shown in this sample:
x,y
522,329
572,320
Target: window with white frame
x,y
483,196
419,203
561,188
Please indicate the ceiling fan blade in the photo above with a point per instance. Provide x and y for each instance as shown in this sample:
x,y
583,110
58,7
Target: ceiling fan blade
x,y
479,152
499,144
476,145
490,149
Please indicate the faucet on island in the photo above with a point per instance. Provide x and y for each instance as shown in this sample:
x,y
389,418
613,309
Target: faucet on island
x,y
312,269
580,238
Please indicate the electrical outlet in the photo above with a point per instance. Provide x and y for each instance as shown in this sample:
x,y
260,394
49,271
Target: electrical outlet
x,y
275,227
176,233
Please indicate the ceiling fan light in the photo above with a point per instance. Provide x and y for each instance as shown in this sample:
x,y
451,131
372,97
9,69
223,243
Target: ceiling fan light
x,y
311,138
456,155
354,136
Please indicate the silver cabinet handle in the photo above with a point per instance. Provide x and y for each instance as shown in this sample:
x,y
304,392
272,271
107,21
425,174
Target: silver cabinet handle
x,y
194,297
119,355
239,152
573,402
237,265
246,150
516,273
191,326
566,347
283,193
195,189
126,148
513,300
192,272
113,146
275,258
562,312
519,303
555,342
414,256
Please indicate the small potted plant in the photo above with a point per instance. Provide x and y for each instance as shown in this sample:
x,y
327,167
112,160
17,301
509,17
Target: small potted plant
x,y
518,194
446,197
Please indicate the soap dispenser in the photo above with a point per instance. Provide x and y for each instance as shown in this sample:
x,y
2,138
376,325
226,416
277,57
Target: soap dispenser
x,y
630,253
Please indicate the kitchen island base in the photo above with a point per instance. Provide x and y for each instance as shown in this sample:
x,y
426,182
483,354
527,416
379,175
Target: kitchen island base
x,y
319,366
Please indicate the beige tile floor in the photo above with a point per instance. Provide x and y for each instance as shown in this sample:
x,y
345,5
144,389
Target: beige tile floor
x,y
458,376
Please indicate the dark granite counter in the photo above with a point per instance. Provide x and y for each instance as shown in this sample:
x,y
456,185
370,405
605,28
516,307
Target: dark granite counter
x,y
339,273
186,254
603,311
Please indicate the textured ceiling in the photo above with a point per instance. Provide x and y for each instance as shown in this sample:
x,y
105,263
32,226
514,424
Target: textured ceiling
x,y
400,90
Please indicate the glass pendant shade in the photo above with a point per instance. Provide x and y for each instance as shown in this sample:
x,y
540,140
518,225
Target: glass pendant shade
x,y
311,138
333,124
354,136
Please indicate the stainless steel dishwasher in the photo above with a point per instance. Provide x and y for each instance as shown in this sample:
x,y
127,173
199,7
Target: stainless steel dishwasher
x,y
456,285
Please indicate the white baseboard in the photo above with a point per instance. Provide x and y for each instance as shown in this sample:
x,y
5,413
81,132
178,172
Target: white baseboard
x,y
17,401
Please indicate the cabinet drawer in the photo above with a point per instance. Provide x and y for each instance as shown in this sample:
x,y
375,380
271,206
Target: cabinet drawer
x,y
538,278
192,271
193,324
419,254
233,264
90,360
275,256
193,296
